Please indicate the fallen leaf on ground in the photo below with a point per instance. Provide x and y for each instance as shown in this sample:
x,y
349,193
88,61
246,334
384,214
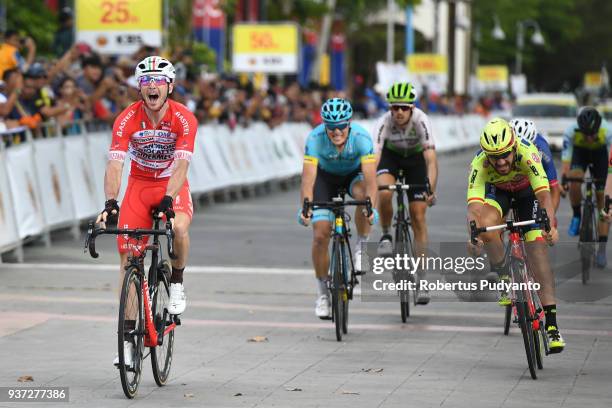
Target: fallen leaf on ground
x,y
372,370
258,339
293,389
238,394
188,395
25,378
350,393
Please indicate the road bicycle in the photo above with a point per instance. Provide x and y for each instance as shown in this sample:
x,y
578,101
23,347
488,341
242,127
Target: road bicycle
x,y
525,305
403,239
144,320
589,232
342,276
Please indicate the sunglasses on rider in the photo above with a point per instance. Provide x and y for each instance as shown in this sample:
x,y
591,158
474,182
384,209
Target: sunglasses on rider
x,y
403,108
496,157
339,126
158,80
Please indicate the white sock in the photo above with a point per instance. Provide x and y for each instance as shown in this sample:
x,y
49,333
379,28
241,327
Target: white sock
x,y
360,239
321,286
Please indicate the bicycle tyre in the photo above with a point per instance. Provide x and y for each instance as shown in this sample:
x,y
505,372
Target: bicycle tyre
x,y
537,347
587,242
130,377
337,308
161,355
527,332
507,319
344,292
401,247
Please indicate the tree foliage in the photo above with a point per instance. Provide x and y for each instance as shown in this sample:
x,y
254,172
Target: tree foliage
x,y
576,34
33,19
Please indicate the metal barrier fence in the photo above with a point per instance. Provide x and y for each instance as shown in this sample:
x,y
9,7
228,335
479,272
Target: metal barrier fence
x,y
56,180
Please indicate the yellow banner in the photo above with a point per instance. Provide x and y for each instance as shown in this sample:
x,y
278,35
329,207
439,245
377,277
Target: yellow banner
x,y
265,38
492,73
426,63
592,79
101,15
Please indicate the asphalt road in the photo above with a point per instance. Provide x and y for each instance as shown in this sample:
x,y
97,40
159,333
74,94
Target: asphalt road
x,y
249,275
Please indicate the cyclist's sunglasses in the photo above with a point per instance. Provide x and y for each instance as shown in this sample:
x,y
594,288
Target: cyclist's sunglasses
x,y
339,126
158,80
496,157
404,108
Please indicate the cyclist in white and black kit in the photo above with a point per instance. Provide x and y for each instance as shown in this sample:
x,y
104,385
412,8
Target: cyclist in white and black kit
x,y
403,140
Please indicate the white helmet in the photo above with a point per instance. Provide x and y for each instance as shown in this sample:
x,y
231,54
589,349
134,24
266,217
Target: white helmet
x,y
524,129
155,65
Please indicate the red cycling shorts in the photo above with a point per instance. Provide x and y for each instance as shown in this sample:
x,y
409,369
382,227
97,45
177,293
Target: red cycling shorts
x,y
141,197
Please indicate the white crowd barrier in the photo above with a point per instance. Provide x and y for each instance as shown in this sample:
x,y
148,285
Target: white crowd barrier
x,y
52,183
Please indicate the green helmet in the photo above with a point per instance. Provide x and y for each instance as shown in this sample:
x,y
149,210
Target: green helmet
x,y
401,92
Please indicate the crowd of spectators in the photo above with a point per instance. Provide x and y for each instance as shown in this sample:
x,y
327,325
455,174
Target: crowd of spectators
x,y
81,86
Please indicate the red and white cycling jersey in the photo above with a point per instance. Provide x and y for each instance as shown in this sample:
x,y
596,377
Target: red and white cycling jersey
x,y
153,149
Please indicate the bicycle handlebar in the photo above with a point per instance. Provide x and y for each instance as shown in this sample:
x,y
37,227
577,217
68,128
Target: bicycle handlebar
x,y
565,180
337,202
542,218
92,234
401,186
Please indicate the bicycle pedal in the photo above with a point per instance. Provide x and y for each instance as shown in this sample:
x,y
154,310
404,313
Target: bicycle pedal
x,y
325,317
177,320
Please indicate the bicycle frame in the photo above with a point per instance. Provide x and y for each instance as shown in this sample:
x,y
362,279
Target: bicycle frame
x,y
153,336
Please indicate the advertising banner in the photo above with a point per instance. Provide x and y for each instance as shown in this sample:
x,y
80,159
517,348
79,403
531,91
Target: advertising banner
x,y
269,48
119,26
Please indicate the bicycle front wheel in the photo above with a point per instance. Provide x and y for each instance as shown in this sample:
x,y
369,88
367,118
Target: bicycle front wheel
x,y
587,241
337,285
527,331
402,246
131,331
161,356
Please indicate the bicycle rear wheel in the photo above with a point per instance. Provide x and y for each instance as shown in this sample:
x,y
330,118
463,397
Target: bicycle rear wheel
x,y
337,306
527,332
161,356
507,319
131,329
587,241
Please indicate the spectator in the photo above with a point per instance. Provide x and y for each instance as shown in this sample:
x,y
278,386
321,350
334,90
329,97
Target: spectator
x,y
70,95
64,36
13,85
10,57
95,86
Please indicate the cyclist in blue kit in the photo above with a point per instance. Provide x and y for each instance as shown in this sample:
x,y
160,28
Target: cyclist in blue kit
x,y
338,155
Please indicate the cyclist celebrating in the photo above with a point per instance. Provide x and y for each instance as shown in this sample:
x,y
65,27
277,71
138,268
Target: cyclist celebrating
x,y
339,155
158,134
587,142
526,129
515,169
404,141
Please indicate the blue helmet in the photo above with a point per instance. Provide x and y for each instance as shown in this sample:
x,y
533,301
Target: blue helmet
x,y
336,110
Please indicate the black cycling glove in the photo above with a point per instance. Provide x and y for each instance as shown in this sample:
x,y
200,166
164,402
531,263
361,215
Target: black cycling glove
x,y
165,206
109,206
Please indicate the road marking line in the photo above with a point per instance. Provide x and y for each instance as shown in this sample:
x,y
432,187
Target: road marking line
x,y
82,267
307,325
359,310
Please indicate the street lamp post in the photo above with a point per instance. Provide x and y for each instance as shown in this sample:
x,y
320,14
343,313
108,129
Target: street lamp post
x,y
537,39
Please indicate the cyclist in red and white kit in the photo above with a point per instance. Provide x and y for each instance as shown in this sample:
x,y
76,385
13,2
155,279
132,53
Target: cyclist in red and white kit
x,y
158,135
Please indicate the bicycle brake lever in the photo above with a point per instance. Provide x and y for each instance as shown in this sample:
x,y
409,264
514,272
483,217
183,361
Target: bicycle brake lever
x,y
473,233
170,240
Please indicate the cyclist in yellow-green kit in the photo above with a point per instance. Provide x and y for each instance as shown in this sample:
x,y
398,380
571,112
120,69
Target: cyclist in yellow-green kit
x,y
587,142
508,168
